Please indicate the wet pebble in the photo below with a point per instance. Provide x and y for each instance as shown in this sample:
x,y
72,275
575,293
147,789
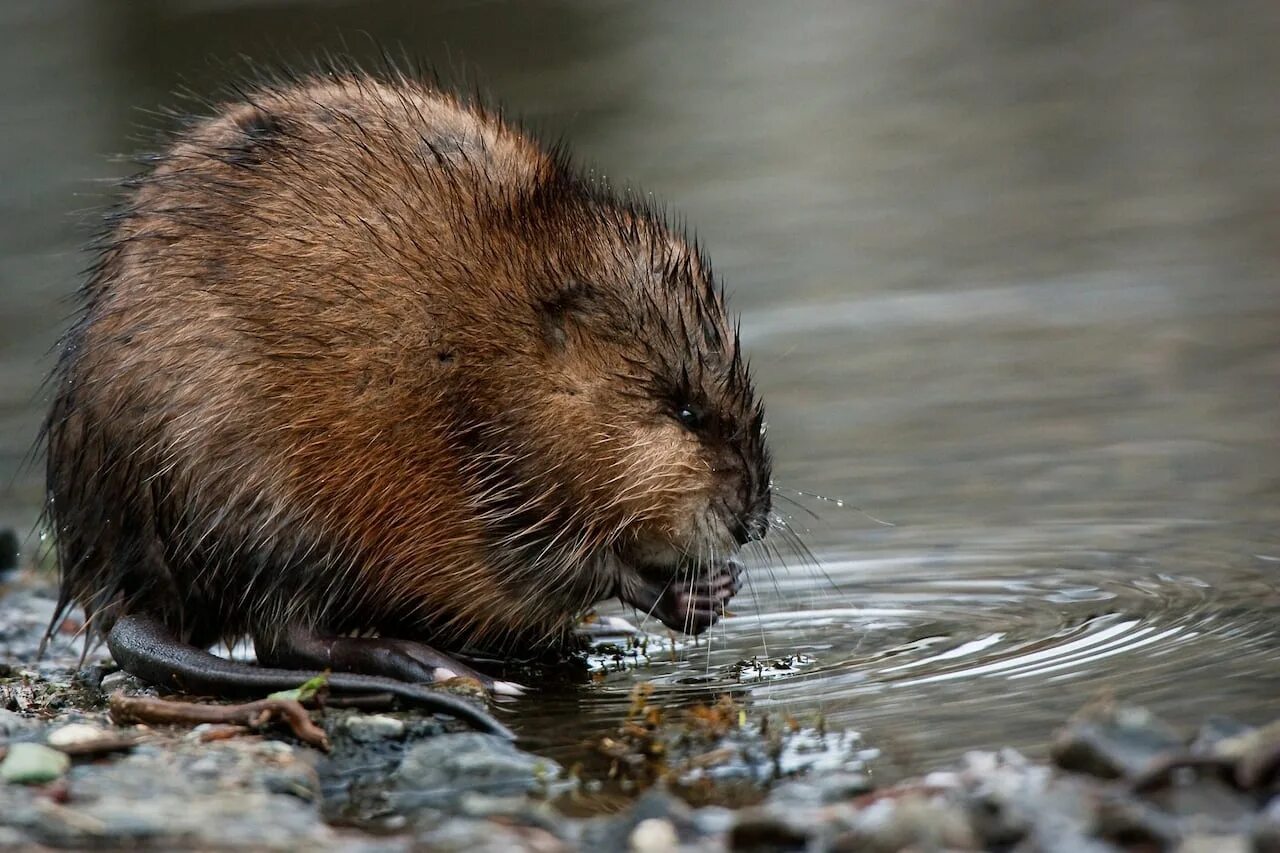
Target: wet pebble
x,y
1130,822
33,764
655,807
121,680
275,751
820,790
1208,802
1255,753
457,835
438,771
367,728
74,734
1113,741
653,835
916,821
13,724
1214,731
1215,844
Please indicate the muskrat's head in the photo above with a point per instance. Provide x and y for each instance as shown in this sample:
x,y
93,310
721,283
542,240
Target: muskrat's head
x,y
651,456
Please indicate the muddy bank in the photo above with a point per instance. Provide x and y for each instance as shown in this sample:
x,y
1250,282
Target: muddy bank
x,y
720,776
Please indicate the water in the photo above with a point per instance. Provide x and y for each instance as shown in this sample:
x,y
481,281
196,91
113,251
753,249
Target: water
x,y
1008,275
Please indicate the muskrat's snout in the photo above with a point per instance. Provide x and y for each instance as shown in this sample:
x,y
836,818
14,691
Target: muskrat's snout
x,y
749,528
746,511
687,584
750,522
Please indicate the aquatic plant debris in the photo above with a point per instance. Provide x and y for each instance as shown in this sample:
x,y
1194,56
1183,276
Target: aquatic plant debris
x,y
721,752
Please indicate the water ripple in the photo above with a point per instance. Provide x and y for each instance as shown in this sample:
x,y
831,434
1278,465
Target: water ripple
x,y
924,652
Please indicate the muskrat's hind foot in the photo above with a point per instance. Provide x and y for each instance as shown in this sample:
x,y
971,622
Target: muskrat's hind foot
x,y
403,660
145,647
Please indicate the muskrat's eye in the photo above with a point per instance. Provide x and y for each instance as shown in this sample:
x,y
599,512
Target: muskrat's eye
x,y
690,417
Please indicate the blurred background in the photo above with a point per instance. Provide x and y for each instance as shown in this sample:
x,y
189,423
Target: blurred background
x,y
1008,275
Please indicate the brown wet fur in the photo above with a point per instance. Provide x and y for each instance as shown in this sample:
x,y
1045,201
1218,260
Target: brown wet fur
x,y
359,356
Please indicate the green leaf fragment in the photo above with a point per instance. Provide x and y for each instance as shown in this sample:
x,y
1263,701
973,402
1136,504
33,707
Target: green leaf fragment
x,y
306,691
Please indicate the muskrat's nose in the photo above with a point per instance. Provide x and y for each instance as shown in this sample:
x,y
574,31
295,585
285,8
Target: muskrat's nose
x,y
747,528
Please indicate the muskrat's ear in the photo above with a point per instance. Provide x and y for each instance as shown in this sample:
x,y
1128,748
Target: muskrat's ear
x,y
570,304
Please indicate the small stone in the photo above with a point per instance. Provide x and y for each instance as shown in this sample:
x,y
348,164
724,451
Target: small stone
x,y
481,805
440,770
1213,844
913,821
711,820
1115,741
118,680
274,751
74,734
654,835
1214,731
795,794
456,835
12,723
90,677
205,766
1133,823
33,764
1256,753
1212,804
297,781
811,792
1004,793
656,804
367,728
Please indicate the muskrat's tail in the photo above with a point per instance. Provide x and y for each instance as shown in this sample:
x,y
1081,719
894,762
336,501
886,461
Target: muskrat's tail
x,y
144,647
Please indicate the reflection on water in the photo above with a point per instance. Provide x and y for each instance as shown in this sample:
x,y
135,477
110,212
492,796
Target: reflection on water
x,y
1009,279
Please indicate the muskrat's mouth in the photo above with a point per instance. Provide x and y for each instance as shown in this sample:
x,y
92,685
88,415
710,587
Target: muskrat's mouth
x,y
689,597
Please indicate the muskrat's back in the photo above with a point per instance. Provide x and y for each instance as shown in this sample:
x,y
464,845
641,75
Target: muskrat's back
x,y
357,356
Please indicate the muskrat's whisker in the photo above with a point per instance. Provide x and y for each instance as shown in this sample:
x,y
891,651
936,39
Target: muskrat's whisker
x,y
705,567
773,578
840,503
778,493
751,587
644,620
798,546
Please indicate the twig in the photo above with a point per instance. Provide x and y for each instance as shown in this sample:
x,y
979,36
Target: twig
x,y
143,709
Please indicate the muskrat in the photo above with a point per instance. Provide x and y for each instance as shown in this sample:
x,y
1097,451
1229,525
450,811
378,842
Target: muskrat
x,y
362,367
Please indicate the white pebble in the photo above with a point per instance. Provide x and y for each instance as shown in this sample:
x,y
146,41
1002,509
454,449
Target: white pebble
x,y
370,727
654,835
74,733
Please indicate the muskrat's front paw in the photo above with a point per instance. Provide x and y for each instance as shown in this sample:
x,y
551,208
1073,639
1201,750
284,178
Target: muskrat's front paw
x,y
691,604
699,604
